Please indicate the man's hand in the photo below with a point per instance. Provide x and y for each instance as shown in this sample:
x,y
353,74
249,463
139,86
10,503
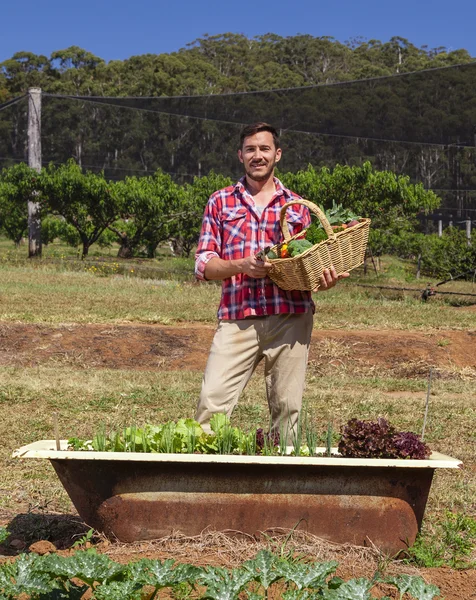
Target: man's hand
x,y
328,279
218,268
256,268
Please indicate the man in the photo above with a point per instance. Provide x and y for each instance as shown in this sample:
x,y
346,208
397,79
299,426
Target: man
x,y
257,320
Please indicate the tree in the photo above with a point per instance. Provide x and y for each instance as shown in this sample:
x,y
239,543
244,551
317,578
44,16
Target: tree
x,y
390,200
87,201
185,230
19,184
24,70
148,205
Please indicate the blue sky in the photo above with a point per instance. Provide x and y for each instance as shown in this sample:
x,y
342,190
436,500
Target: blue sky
x,y
123,28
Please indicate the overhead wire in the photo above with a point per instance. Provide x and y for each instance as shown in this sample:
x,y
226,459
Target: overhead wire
x,y
13,101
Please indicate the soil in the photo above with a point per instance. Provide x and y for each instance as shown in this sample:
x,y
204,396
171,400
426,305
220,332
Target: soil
x,y
147,347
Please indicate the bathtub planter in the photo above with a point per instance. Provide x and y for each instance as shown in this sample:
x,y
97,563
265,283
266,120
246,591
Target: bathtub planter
x,y
141,496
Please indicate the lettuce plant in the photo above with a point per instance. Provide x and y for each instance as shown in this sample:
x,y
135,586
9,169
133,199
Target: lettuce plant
x,y
360,439
379,439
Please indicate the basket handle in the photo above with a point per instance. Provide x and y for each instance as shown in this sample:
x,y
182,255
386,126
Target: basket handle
x,y
313,208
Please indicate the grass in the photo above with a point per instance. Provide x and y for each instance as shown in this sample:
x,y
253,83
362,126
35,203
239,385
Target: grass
x,y
60,289
65,292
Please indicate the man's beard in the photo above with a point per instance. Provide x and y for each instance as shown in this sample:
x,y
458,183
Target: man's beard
x,y
261,176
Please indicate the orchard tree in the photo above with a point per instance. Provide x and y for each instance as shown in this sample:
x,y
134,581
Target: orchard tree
x,y
390,200
185,230
147,206
19,185
87,201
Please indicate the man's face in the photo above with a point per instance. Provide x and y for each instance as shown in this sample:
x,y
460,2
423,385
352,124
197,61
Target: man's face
x,y
259,155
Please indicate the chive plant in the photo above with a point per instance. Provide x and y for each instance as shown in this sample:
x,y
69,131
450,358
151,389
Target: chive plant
x,y
297,437
250,443
283,439
99,442
311,435
225,438
167,439
329,439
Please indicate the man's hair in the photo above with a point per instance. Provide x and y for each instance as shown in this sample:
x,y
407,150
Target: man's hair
x,y
256,128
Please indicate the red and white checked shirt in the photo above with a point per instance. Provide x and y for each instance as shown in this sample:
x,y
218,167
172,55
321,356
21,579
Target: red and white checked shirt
x,y
232,228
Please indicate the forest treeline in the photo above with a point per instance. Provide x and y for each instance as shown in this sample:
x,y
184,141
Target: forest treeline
x,y
220,64
377,102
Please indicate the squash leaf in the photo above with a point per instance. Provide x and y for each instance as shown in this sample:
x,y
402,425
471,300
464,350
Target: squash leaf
x,y
262,568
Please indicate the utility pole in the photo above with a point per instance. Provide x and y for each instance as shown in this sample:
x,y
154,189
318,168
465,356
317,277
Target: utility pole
x,y
34,161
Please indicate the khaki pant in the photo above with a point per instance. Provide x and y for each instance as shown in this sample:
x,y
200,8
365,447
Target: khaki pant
x,y
237,348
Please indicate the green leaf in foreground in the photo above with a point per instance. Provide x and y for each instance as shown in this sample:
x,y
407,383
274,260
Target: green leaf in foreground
x,y
86,566
299,595
119,590
414,585
262,568
304,575
22,577
161,574
354,589
223,584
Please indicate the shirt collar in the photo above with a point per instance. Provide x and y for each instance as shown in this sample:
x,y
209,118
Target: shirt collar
x,y
280,189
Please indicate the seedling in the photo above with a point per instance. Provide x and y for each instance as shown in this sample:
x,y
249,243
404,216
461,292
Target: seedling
x,y
83,540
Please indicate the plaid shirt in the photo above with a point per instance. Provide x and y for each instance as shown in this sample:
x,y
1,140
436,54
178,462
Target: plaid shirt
x,y
232,228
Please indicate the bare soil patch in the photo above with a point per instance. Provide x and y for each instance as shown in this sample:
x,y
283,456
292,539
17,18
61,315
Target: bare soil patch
x,y
186,347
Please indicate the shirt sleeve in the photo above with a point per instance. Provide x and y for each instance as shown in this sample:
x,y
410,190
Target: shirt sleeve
x,y
209,243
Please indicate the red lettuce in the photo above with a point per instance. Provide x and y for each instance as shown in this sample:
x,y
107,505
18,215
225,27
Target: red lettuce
x,y
379,439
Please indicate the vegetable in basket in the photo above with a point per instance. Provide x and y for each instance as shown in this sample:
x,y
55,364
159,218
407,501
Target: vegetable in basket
x,y
339,218
296,247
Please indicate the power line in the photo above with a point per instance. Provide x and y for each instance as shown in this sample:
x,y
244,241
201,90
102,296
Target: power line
x,y
12,102
98,100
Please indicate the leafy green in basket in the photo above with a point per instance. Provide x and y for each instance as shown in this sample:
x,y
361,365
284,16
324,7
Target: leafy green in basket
x,y
296,247
339,219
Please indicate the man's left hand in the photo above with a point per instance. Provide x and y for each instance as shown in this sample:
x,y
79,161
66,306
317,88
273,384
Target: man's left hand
x,y
328,279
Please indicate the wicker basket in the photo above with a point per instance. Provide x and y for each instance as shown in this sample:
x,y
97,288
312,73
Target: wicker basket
x,y
344,250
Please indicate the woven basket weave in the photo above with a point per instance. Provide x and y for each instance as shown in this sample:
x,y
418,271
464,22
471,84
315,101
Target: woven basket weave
x,y
344,250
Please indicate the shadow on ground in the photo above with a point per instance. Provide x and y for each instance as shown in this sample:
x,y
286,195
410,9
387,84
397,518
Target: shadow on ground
x,y
61,530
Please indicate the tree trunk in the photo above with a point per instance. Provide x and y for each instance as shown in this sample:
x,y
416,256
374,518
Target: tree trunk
x,y
125,249
85,248
151,249
34,161
176,245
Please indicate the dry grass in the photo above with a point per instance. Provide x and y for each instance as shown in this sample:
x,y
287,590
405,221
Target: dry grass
x,y
42,293
231,548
